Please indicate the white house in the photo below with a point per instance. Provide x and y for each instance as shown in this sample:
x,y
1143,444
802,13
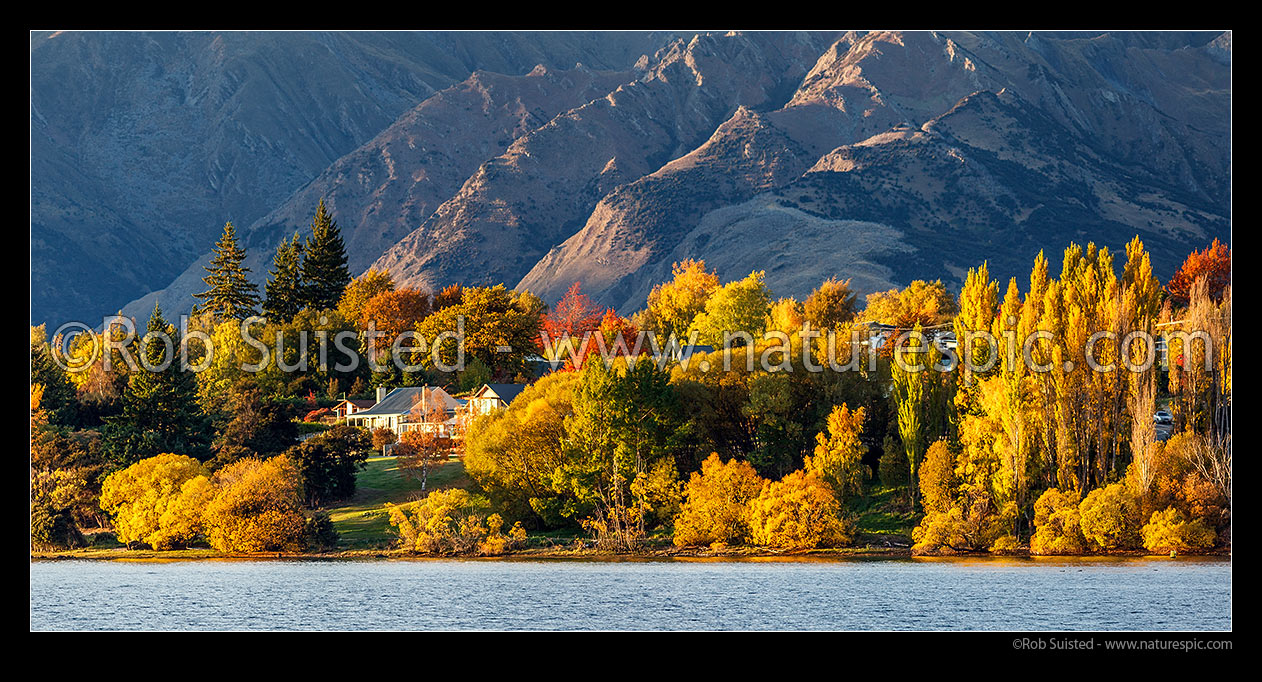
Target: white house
x,y
411,408
493,397
350,406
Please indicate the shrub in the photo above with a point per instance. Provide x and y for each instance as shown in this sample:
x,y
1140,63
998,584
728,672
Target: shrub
x,y
382,437
452,522
258,507
316,415
800,511
1170,531
974,528
496,542
1203,501
328,463
659,492
182,522
1006,544
941,530
717,503
1057,528
1109,517
53,528
321,535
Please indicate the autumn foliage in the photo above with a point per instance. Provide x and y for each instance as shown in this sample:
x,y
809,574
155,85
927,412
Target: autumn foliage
x,y
799,511
158,501
171,501
717,503
258,507
453,522
1213,263
393,312
569,327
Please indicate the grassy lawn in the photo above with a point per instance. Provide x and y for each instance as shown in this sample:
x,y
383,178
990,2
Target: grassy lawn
x,y
883,513
362,522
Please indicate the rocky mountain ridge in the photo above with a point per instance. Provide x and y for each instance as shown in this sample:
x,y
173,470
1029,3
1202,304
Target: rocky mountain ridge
x,y
881,156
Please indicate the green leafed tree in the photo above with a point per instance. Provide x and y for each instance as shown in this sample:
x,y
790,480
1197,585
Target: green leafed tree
x,y
284,283
231,294
623,421
324,270
739,306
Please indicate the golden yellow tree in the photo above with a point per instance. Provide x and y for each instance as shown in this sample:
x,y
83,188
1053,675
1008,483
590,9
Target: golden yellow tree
x,y
800,511
673,305
258,507
838,456
155,500
716,506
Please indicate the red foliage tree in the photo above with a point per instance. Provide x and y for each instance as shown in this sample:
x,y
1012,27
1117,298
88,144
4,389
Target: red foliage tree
x,y
575,316
613,326
1214,264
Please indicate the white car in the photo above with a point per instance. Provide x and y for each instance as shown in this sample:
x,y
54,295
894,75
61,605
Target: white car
x,y
1163,417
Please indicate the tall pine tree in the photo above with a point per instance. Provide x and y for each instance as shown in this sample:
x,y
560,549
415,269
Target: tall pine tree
x,y
324,270
284,283
160,408
232,295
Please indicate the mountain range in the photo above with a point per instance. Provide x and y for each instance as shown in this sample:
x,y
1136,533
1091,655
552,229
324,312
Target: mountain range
x,y
541,159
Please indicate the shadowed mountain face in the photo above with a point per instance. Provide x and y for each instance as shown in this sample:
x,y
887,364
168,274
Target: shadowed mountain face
x,y
488,158
144,144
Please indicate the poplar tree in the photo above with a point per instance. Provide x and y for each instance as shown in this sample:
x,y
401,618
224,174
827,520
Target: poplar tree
x,y
284,287
324,270
979,300
161,412
231,295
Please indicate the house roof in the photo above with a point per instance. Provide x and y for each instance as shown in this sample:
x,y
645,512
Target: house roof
x,y
401,400
505,392
359,402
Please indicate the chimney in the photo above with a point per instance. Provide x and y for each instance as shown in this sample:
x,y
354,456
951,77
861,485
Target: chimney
x,y
381,393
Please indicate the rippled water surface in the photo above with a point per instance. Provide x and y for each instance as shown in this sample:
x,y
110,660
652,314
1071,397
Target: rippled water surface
x,y
981,594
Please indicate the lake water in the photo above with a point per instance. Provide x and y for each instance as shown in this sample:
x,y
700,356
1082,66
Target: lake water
x,y
912,594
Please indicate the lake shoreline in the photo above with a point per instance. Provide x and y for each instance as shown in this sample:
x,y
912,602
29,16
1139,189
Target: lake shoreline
x,y
558,554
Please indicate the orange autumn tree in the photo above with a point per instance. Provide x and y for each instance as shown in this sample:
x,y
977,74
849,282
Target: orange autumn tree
x,y
450,295
1213,263
394,312
619,335
570,325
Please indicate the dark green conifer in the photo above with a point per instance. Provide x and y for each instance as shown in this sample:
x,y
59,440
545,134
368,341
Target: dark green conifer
x,y
160,408
284,283
59,400
324,271
231,295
